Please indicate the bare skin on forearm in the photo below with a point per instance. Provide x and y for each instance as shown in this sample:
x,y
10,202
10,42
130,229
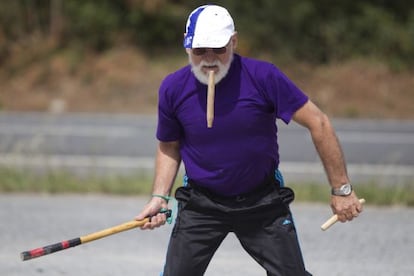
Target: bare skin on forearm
x,y
167,163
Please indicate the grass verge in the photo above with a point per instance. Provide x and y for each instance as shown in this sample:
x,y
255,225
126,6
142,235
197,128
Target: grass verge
x,y
374,194
17,181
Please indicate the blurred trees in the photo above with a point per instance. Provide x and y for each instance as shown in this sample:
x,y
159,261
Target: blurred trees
x,y
317,31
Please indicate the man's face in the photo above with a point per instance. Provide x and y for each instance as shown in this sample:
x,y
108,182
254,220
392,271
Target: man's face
x,y
203,60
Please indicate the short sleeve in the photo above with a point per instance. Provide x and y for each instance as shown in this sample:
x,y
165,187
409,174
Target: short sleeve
x,y
285,96
168,128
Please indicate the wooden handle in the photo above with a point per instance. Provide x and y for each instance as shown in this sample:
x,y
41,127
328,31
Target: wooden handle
x,y
113,230
332,220
210,99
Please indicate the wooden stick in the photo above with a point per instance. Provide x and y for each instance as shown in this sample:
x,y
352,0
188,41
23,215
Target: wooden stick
x,y
210,99
332,220
48,249
45,250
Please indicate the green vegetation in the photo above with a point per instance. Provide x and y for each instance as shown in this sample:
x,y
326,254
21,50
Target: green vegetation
x,y
63,182
14,181
373,193
317,31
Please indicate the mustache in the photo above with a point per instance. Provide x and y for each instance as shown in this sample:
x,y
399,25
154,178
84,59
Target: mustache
x,y
209,64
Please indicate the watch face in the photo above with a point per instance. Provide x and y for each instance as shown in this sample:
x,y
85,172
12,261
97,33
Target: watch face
x,y
346,189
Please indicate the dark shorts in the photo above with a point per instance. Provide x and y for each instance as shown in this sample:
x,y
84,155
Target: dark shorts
x,y
261,220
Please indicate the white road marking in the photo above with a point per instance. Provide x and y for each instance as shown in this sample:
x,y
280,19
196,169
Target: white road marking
x,y
76,161
360,169
121,162
77,131
129,131
376,137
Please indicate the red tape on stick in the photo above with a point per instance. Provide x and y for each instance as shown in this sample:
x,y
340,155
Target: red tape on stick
x,y
41,251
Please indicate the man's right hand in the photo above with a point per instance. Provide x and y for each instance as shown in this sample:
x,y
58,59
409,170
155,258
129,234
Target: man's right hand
x,y
152,210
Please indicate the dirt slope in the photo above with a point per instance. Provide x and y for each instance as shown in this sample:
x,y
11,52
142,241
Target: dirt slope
x,y
123,80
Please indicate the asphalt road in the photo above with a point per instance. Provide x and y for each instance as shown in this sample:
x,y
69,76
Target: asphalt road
x,y
379,242
375,150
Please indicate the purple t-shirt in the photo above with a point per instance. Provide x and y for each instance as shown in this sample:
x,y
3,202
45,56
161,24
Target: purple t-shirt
x,y
240,151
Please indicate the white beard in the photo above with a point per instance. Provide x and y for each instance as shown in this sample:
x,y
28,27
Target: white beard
x,y
203,77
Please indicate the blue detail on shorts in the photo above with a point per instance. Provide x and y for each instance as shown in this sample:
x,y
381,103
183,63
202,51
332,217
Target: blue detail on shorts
x,y
286,222
185,180
279,178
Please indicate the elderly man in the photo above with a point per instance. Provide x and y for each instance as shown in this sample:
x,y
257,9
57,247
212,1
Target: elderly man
x,y
232,181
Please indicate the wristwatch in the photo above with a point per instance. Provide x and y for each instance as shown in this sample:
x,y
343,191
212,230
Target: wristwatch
x,y
344,190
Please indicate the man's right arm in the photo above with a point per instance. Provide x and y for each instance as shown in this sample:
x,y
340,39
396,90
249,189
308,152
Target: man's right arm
x,y
167,163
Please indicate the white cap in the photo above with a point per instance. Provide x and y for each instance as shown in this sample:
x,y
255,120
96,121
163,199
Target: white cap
x,y
208,26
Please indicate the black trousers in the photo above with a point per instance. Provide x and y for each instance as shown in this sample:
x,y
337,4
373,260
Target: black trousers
x,y
261,220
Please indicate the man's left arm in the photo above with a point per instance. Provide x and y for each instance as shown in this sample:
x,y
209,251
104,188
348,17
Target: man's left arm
x,y
332,157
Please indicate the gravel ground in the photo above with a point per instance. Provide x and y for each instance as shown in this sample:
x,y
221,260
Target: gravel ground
x,y
380,242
